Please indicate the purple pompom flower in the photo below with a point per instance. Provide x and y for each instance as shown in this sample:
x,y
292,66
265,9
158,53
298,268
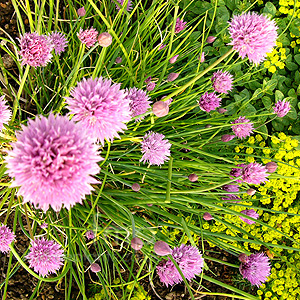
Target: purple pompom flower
x,y
254,173
6,238
90,235
52,162
102,107
209,102
250,213
252,35
139,102
81,12
231,188
222,81
5,112
189,260
180,25
281,108
88,36
237,172
59,42
257,269
45,257
35,50
121,2
155,149
148,79
242,130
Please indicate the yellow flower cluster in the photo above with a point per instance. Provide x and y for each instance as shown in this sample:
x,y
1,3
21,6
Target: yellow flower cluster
x,y
287,7
276,58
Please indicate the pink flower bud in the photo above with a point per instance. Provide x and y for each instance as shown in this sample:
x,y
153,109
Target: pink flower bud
x,y
118,60
202,58
169,101
210,39
222,110
207,216
243,258
136,187
227,137
150,86
150,204
251,192
271,166
173,59
162,248
81,12
193,177
104,39
136,243
148,79
160,109
172,76
95,268
90,235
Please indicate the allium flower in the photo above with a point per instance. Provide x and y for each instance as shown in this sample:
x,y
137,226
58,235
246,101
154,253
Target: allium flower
x,y
180,25
104,39
254,173
252,35
129,4
250,213
90,235
242,130
45,257
271,167
155,149
150,86
251,192
222,81
237,172
44,226
189,260
88,36
102,107
193,177
95,268
257,269
139,102
5,112
227,137
281,108
209,101
52,162
59,42
148,79
6,238
136,243
160,108
232,188
161,248
135,187
169,101
35,50
222,110
81,12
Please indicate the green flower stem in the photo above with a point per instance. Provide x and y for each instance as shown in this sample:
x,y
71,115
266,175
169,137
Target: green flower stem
x,y
16,101
220,261
78,63
169,180
201,74
99,64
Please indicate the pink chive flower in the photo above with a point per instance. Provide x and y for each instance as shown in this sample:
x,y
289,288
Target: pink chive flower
x,y
180,25
257,269
35,50
237,172
209,102
222,81
150,86
136,244
95,268
207,216
101,107
6,238
148,79
90,235
193,177
52,162
45,257
160,109
88,36
5,112
161,248
59,42
231,198
104,39
250,213
271,166
172,76
139,102
135,187
242,130
227,138
81,12
173,59
281,108
232,188
189,260
252,35
122,2
254,173
155,149
118,60
168,101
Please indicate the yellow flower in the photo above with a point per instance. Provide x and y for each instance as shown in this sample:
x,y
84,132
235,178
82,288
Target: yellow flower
x,y
272,69
251,140
249,150
293,44
294,143
267,64
237,149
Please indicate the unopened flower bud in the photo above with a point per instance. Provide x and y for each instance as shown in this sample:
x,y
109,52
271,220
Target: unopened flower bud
x,y
172,76
118,60
251,192
210,39
222,110
150,204
208,126
202,57
169,101
136,243
81,12
173,59
271,166
150,86
104,39
148,79
243,258
162,248
160,109
95,268
90,235
193,177
135,187
227,137
207,216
